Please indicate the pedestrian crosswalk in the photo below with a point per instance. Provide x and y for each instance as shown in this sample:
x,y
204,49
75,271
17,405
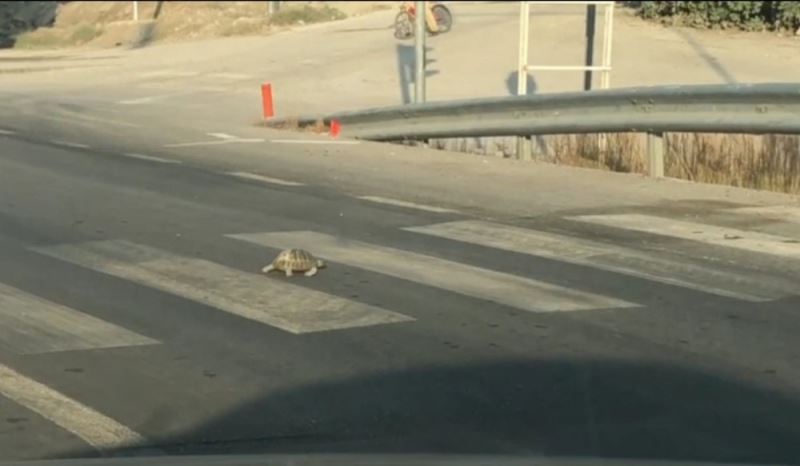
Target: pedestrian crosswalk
x,y
476,282
282,305
608,257
29,324
32,325
751,241
96,429
775,212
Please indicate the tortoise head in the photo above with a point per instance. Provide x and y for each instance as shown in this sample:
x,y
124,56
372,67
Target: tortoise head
x,y
321,263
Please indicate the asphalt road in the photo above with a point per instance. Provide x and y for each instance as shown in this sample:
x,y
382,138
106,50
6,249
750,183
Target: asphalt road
x,y
133,315
471,305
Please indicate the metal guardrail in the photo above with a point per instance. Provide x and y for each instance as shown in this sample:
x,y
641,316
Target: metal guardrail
x,y
740,108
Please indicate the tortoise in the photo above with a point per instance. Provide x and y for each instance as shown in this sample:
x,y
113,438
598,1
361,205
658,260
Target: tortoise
x,y
295,260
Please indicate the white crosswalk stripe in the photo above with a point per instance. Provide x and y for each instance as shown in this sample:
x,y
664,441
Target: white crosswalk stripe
x,y
406,204
96,429
31,325
267,300
265,179
608,257
751,241
775,212
503,288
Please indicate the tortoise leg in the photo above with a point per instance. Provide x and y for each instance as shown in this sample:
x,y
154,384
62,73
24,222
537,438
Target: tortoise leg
x,y
268,268
288,271
311,272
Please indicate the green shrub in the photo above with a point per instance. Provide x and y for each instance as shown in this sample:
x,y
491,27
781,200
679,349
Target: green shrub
x,y
84,33
38,39
745,15
306,15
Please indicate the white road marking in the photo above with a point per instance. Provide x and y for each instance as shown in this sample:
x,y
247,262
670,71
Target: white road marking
x,y
104,120
6,132
777,212
312,141
232,76
169,73
222,135
268,300
266,179
32,325
77,145
141,100
708,234
410,205
151,158
608,257
96,429
503,288
68,120
214,143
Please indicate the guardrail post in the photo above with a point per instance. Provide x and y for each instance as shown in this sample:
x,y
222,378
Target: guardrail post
x,y
655,155
524,148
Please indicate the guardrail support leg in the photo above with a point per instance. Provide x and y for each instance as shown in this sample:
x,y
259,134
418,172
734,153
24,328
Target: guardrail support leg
x,y
655,155
524,148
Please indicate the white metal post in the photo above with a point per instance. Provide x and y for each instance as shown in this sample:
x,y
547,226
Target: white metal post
x,y
522,61
136,11
523,148
605,77
419,53
655,155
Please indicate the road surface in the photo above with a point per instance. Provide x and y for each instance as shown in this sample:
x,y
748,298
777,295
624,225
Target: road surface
x,y
470,305
134,317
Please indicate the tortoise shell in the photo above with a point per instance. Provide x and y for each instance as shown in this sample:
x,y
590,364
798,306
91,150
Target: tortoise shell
x,y
295,260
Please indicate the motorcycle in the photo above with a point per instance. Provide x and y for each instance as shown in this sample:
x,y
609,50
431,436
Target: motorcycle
x,y
404,21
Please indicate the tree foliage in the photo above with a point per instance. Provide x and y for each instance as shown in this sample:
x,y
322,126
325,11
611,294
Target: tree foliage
x,y
745,15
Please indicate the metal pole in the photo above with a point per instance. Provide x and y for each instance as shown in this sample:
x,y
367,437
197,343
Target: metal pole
x,y
273,7
523,144
419,53
591,14
522,60
136,11
655,155
605,77
605,61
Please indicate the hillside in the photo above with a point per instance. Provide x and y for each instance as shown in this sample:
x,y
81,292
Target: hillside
x,y
45,25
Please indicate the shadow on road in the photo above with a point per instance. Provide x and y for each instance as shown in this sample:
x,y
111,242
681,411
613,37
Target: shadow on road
x,y
587,408
531,87
513,79
406,61
147,29
711,60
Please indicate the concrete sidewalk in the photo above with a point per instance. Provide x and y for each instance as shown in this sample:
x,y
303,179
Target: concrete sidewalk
x,y
357,63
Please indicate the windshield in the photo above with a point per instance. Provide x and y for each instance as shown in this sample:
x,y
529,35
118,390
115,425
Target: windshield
x,y
470,230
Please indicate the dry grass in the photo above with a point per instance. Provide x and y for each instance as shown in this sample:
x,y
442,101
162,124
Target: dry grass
x,y
56,37
293,124
109,24
769,162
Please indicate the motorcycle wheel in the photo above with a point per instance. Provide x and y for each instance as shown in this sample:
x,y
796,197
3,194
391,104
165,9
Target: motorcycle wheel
x,y
444,19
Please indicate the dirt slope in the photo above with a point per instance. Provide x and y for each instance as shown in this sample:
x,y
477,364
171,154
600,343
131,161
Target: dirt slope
x,y
110,24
